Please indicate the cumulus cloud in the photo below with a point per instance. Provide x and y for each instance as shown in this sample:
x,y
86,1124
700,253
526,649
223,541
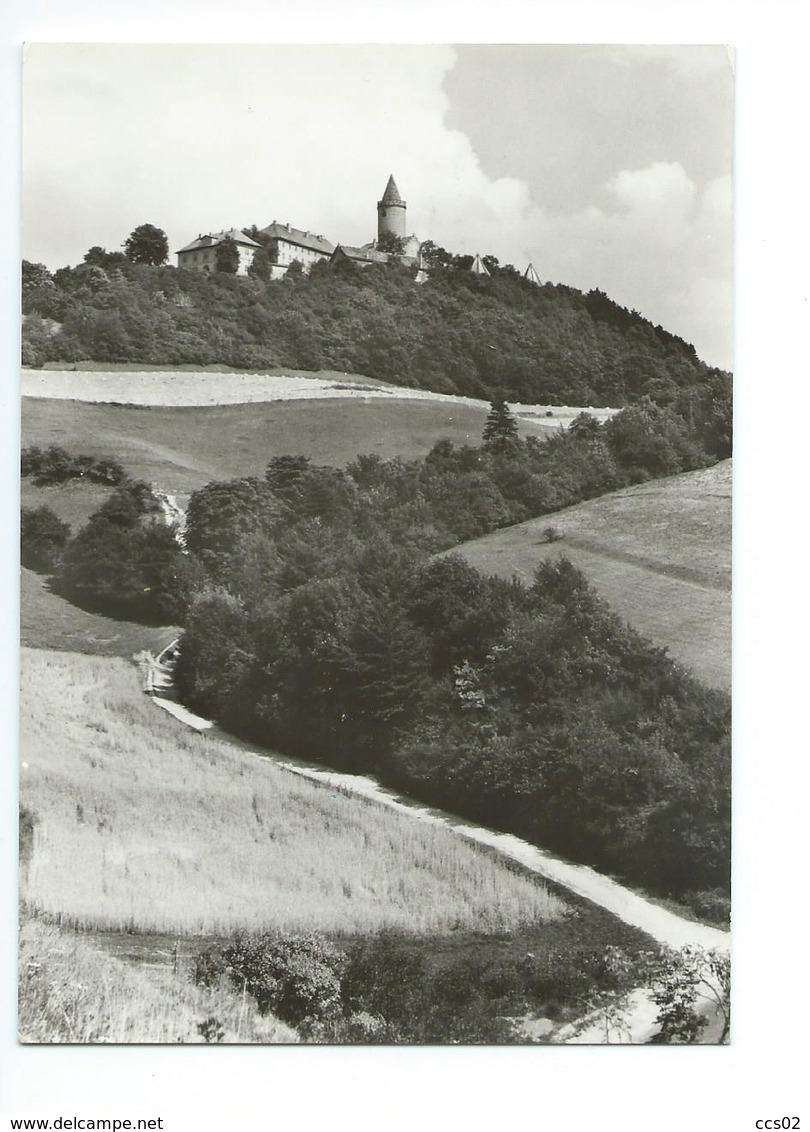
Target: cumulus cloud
x,y
661,246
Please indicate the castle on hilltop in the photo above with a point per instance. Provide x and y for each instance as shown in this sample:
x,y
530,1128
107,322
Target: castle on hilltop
x,y
392,240
288,245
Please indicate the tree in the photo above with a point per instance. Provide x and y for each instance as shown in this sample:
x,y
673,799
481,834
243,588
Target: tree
x,y
262,264
220,513
42,538
227,256
433,255
34,276
691,986
391,243
285,471
147,244
500,429
100,257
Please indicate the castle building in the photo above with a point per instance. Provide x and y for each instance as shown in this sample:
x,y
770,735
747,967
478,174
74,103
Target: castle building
x,y
391,212
391,221
201,254
288,244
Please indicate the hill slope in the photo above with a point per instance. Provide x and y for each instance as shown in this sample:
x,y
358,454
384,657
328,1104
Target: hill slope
x,y
455,334
183,448
48,621
140,823
659,553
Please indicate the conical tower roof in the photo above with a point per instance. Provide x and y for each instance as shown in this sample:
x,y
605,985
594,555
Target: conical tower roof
x,y
477,267
531,276
391,195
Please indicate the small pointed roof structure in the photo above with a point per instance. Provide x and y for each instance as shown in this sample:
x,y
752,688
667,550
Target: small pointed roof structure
x,y
477,267
391,196
531,276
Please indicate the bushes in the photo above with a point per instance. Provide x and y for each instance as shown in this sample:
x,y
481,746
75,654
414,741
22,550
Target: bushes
x,y
297,978
459,988
42,538
54,465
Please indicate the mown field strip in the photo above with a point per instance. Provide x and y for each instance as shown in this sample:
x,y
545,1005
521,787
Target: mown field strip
x,y
190,388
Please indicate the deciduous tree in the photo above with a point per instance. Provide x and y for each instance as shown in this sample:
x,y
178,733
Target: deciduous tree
x,y
147,244
227,256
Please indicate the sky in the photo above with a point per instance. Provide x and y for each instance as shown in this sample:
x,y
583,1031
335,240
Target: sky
x,y
605,167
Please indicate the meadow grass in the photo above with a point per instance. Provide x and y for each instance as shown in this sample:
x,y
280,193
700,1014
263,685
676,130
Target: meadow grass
x,y
51,622
182,448
70,992
74,501
143,825
659,553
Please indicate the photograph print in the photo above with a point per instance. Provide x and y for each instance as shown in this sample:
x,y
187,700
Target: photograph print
x,y
376,545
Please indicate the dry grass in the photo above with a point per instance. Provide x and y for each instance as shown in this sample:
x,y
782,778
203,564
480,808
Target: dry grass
x,y
69,992
143,824
659,553
49,621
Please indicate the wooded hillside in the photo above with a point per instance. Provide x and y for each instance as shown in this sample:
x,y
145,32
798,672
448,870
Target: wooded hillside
x,y
455,333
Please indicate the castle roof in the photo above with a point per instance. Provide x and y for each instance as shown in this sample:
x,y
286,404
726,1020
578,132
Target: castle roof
x,y
391,196
300,238
530,275
367,254
213,238
477,267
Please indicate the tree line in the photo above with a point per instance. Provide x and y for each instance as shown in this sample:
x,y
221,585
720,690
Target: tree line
x,y
455,333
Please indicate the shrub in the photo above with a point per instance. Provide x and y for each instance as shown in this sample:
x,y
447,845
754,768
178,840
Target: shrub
x,y
43,536
295,977
56,465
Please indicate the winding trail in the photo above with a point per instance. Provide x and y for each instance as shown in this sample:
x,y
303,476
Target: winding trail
x,y
635,1023
663,926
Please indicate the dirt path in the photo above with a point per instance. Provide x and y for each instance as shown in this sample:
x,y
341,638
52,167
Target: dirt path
x,y
636,1023
663,926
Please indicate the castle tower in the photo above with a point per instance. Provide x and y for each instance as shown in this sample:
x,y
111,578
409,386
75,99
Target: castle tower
x,y
391,212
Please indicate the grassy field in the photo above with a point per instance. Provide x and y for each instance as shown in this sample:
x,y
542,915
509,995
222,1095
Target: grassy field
x,y
70,992
74,502
659,553
141,824
48,621
182,448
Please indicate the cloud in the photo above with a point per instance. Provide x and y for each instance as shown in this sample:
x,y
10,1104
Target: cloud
x,y
663,187
661,246
199,138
